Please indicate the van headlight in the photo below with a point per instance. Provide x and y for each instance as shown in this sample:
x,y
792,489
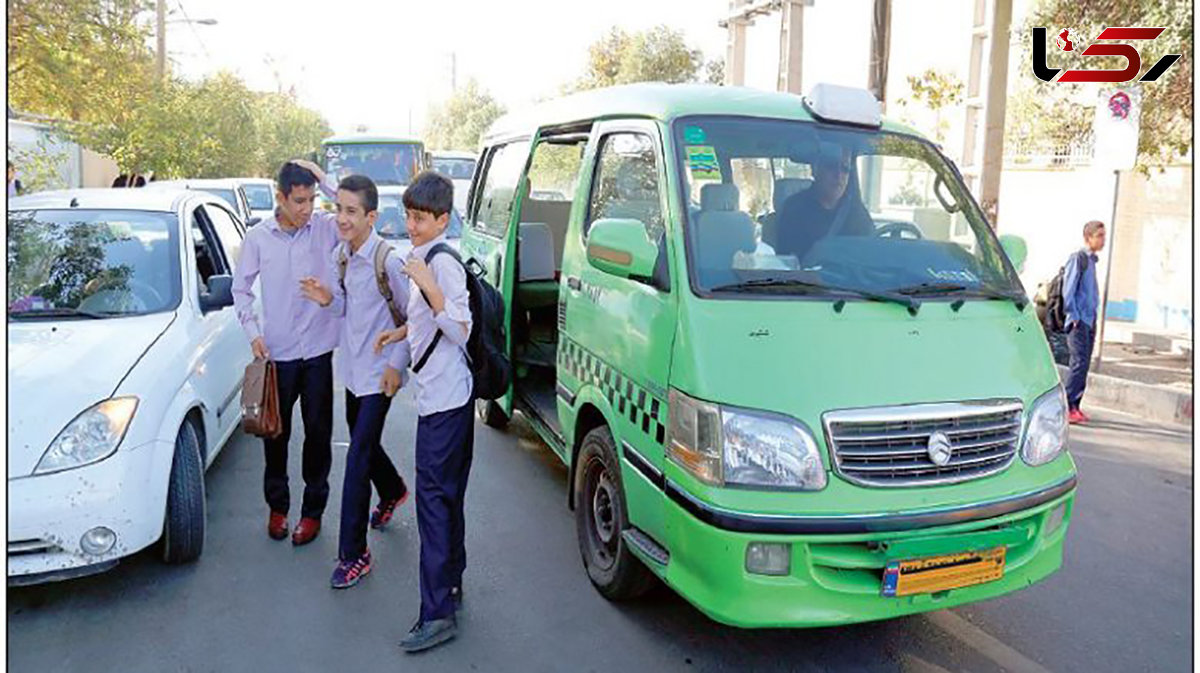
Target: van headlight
x,y
1046,428
728,446
93,436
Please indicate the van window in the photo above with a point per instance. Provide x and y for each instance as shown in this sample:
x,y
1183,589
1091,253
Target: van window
x,y
626,183
554,171
493,207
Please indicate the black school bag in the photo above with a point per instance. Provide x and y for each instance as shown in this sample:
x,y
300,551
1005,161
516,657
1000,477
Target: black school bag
x,y
490,369
1055,317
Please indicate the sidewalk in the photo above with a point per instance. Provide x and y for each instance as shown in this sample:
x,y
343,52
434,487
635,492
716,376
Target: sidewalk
x,y
1144,372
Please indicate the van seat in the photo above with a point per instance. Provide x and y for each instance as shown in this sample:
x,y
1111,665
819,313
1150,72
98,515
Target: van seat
x,y
721,231
536,284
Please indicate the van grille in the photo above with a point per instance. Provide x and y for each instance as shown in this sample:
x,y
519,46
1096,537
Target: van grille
x,y
889,446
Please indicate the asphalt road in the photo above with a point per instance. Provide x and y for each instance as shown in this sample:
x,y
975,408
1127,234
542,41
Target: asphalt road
x,y
1122,602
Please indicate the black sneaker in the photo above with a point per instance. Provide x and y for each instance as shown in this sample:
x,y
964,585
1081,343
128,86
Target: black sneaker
x,y
426,635
384,510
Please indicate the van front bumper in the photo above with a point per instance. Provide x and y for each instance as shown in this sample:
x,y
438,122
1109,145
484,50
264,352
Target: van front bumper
x,y
836,570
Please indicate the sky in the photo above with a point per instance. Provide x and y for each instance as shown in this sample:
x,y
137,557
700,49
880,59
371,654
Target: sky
x,y
382,64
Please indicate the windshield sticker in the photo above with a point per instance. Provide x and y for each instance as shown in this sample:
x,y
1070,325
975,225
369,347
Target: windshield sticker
x,y
960,275
694,135
702,162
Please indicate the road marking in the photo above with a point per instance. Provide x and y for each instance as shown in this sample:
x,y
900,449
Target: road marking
x,y
983,643
911,663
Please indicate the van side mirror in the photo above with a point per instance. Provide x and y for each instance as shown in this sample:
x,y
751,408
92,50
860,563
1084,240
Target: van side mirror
x,y
218,294
253,221
1016,249
621,247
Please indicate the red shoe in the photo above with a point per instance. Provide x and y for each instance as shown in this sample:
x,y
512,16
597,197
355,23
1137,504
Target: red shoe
x,y
1076,416
306,531
277,526
1086,418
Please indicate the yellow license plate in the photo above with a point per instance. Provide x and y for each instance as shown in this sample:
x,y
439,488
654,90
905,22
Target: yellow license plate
x,y
939,573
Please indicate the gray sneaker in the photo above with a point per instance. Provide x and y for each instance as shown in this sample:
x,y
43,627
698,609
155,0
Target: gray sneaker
x,y
426,635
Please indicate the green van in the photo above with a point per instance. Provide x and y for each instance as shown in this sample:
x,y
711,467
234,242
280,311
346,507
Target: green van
x,y
789,366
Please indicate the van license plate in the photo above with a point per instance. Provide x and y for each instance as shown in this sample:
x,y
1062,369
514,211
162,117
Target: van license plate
x,y
938,573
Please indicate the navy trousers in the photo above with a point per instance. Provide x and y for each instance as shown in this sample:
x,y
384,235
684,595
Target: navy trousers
x,y
445,444
1080,340
310,381
366,464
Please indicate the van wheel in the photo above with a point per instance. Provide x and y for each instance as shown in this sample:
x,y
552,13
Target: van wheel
x,y
183,528
491,414
600,518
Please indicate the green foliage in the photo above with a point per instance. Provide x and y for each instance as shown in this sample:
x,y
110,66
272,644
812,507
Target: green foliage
x,y
932,91
458,123
1166,117
88,63
40,168
659,54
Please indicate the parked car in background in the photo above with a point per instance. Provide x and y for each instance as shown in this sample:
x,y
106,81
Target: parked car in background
x,y
125,364
229,189
260,196
390,224
459,167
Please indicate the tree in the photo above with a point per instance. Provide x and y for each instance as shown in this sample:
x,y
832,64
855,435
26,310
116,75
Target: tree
x,y
659,54
1166,116
459,122
935,90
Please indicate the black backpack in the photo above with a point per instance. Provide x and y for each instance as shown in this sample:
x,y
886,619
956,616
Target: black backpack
x,y
1054,317
490,368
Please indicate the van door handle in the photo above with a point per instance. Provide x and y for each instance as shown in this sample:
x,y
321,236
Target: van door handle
x,y
574,284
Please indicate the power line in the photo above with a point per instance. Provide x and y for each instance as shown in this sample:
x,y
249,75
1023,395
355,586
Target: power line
x,y
188,20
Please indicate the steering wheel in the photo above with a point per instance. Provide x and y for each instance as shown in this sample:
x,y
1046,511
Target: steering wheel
x,y
897,229
122,295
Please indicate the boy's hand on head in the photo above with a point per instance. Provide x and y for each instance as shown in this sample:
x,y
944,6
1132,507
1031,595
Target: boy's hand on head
x,y
312,289
419,272
390,336
391,381
312,168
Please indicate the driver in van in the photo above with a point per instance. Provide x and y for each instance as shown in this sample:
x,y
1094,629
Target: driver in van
x,y
830,206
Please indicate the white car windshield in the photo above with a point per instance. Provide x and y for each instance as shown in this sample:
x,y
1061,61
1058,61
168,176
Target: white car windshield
x,y
793,207
261,197
455,169
91,263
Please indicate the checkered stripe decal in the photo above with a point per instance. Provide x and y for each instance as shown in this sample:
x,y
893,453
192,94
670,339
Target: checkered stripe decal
x,y
632,401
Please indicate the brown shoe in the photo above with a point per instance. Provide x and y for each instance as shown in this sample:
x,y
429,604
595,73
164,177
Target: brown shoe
x,y
306,531
277,526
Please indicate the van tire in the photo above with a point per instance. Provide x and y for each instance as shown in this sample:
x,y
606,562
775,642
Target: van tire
x,y
184,524
600,519
491,414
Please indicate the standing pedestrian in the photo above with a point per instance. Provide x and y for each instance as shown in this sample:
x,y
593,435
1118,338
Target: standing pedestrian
x,y
284,249
1081,299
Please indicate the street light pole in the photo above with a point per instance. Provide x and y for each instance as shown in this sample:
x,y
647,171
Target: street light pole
x,y
160,56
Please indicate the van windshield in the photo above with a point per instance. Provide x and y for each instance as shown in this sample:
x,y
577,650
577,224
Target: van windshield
x,y
803,208
385,163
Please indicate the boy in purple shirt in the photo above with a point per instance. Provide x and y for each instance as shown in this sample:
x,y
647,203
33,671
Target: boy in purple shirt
x,y
297,335
364,355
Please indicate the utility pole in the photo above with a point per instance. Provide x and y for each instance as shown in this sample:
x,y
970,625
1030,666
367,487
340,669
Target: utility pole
x,y
997,99
735,46
791,47
881,47
453,71
160,57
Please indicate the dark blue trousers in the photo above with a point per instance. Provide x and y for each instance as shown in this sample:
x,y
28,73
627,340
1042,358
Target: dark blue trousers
x,y
1080,340
445,444
366,464
311,382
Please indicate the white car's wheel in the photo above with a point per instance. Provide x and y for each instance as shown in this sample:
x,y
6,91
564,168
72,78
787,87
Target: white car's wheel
x,y
183,529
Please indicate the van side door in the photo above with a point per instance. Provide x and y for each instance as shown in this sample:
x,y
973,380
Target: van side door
x,y
618,331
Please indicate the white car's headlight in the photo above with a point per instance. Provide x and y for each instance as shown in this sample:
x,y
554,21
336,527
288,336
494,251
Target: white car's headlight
x,y
93,436
726,446
1046,430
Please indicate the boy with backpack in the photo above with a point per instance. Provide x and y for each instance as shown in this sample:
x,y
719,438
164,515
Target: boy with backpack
x,y
439,329
369,290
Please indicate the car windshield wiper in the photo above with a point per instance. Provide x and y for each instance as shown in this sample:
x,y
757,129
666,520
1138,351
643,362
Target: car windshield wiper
x,y
62,313
912,304
929,288
1017,298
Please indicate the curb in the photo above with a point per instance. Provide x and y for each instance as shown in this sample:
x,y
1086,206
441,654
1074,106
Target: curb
x,y
1164,404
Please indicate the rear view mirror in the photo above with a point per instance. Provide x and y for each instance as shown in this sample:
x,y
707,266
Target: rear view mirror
x,y
1016,249
218,294
621,247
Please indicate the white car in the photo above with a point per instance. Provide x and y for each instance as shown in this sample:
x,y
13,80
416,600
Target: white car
x,y
125,366
460,168
260,196
229,189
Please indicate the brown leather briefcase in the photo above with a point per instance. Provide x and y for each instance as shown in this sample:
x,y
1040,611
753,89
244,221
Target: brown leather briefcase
x,y
260,400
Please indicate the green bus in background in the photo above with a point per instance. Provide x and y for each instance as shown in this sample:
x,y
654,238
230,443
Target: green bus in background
x,y
391,161
791,369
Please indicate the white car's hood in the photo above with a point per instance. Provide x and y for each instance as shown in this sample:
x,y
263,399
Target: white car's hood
x,y
57,369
